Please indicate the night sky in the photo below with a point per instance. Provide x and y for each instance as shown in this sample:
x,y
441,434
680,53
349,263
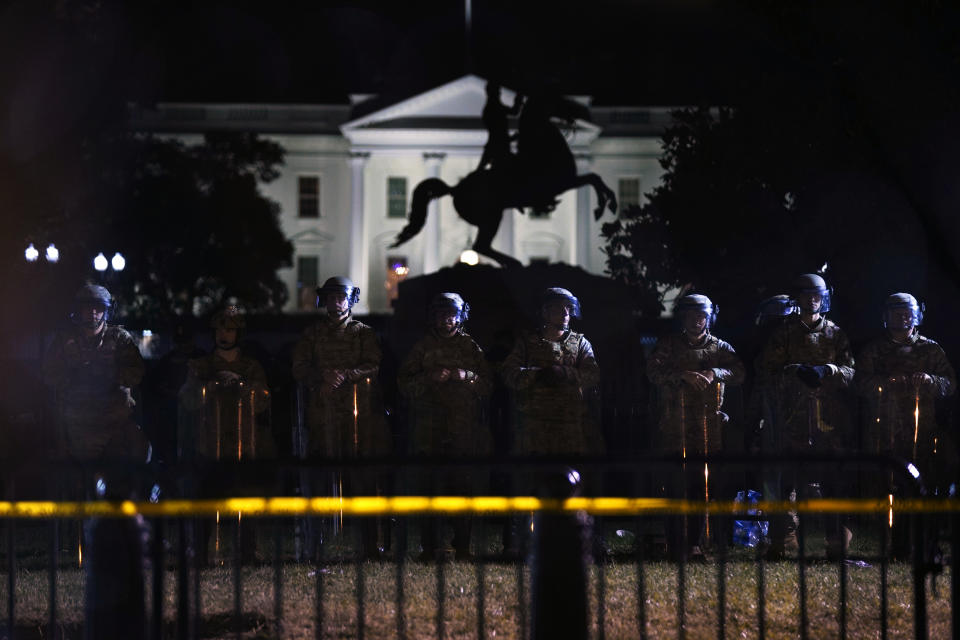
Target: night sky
x,y
634,51
72,66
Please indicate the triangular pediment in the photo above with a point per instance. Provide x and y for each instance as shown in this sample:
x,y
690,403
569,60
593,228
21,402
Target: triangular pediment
x,y
311,236
452,107
458,100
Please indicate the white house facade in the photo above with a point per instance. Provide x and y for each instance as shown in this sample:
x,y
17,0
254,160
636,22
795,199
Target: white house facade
x,y
350,171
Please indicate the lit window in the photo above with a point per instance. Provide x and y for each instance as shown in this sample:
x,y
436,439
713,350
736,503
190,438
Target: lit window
x,y
308,275
396,197
397,272
308,196
628,193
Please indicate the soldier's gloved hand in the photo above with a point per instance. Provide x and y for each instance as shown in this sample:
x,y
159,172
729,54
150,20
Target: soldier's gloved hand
x,y
333,377
552,374
131,403
812,376
921,379
227,377
694,379
460,374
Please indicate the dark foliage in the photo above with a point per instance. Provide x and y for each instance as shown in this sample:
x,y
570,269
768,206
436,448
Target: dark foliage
x,y
825,160
189,218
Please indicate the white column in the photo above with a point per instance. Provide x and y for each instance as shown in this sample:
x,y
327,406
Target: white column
x,y
584,231
506,238
359,250
431,230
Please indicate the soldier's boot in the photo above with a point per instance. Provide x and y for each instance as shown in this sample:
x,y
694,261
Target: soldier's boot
x,y
428,539
248,542
783,537
900,546
838,543
513,538
461,538
386,531
369,539
200,534
312,538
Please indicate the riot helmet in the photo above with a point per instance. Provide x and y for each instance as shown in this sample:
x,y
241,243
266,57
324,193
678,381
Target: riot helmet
x,y
91,296
696,302
555,294
811,283
902,301
338,284
448,301
775,308
228,324
228,318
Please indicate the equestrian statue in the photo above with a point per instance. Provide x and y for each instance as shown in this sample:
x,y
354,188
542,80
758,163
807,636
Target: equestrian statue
x,y
541,169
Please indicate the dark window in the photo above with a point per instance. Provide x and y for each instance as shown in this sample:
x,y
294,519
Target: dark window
x,y
308,196
628,193
308,276
535,214
396,197
397,272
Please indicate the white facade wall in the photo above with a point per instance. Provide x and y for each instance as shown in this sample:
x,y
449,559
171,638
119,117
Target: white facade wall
x,y
328,238
437,133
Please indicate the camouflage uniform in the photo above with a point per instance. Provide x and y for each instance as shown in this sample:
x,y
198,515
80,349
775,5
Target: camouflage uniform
x,y
446,416
552,410
333,430
807,417
687,415
233,415
892,425
92,377
690,418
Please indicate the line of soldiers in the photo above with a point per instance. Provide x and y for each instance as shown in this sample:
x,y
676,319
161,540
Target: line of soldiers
x,y
802,370
803,367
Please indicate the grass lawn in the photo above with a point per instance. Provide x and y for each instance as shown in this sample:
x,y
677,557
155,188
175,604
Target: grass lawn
x,y
505,607
503,612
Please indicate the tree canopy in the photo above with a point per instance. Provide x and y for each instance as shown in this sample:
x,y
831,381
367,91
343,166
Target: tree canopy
x,y
189,218
817,164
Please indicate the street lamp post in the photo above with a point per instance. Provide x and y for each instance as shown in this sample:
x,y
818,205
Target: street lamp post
x,y
117,262
52,254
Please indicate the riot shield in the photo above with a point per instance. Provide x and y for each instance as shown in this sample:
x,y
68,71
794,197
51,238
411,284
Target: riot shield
x,y
224,422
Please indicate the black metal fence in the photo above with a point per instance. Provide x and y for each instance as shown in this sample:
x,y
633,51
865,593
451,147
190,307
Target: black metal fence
x,y
535,562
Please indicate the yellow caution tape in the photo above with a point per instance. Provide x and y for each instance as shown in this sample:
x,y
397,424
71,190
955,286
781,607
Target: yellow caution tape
x,y
489,505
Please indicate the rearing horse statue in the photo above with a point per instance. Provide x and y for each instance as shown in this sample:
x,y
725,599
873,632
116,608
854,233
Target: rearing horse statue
x,y
541,170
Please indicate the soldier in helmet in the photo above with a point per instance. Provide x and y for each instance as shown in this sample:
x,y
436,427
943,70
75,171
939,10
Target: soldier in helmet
x,y
901,375
224,416
162,388
806,365
445,378
551,370
230,390
771,313
92,368
337,361
691,370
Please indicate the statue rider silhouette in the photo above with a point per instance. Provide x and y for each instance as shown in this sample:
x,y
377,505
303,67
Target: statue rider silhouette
x,y
535,176
496,153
